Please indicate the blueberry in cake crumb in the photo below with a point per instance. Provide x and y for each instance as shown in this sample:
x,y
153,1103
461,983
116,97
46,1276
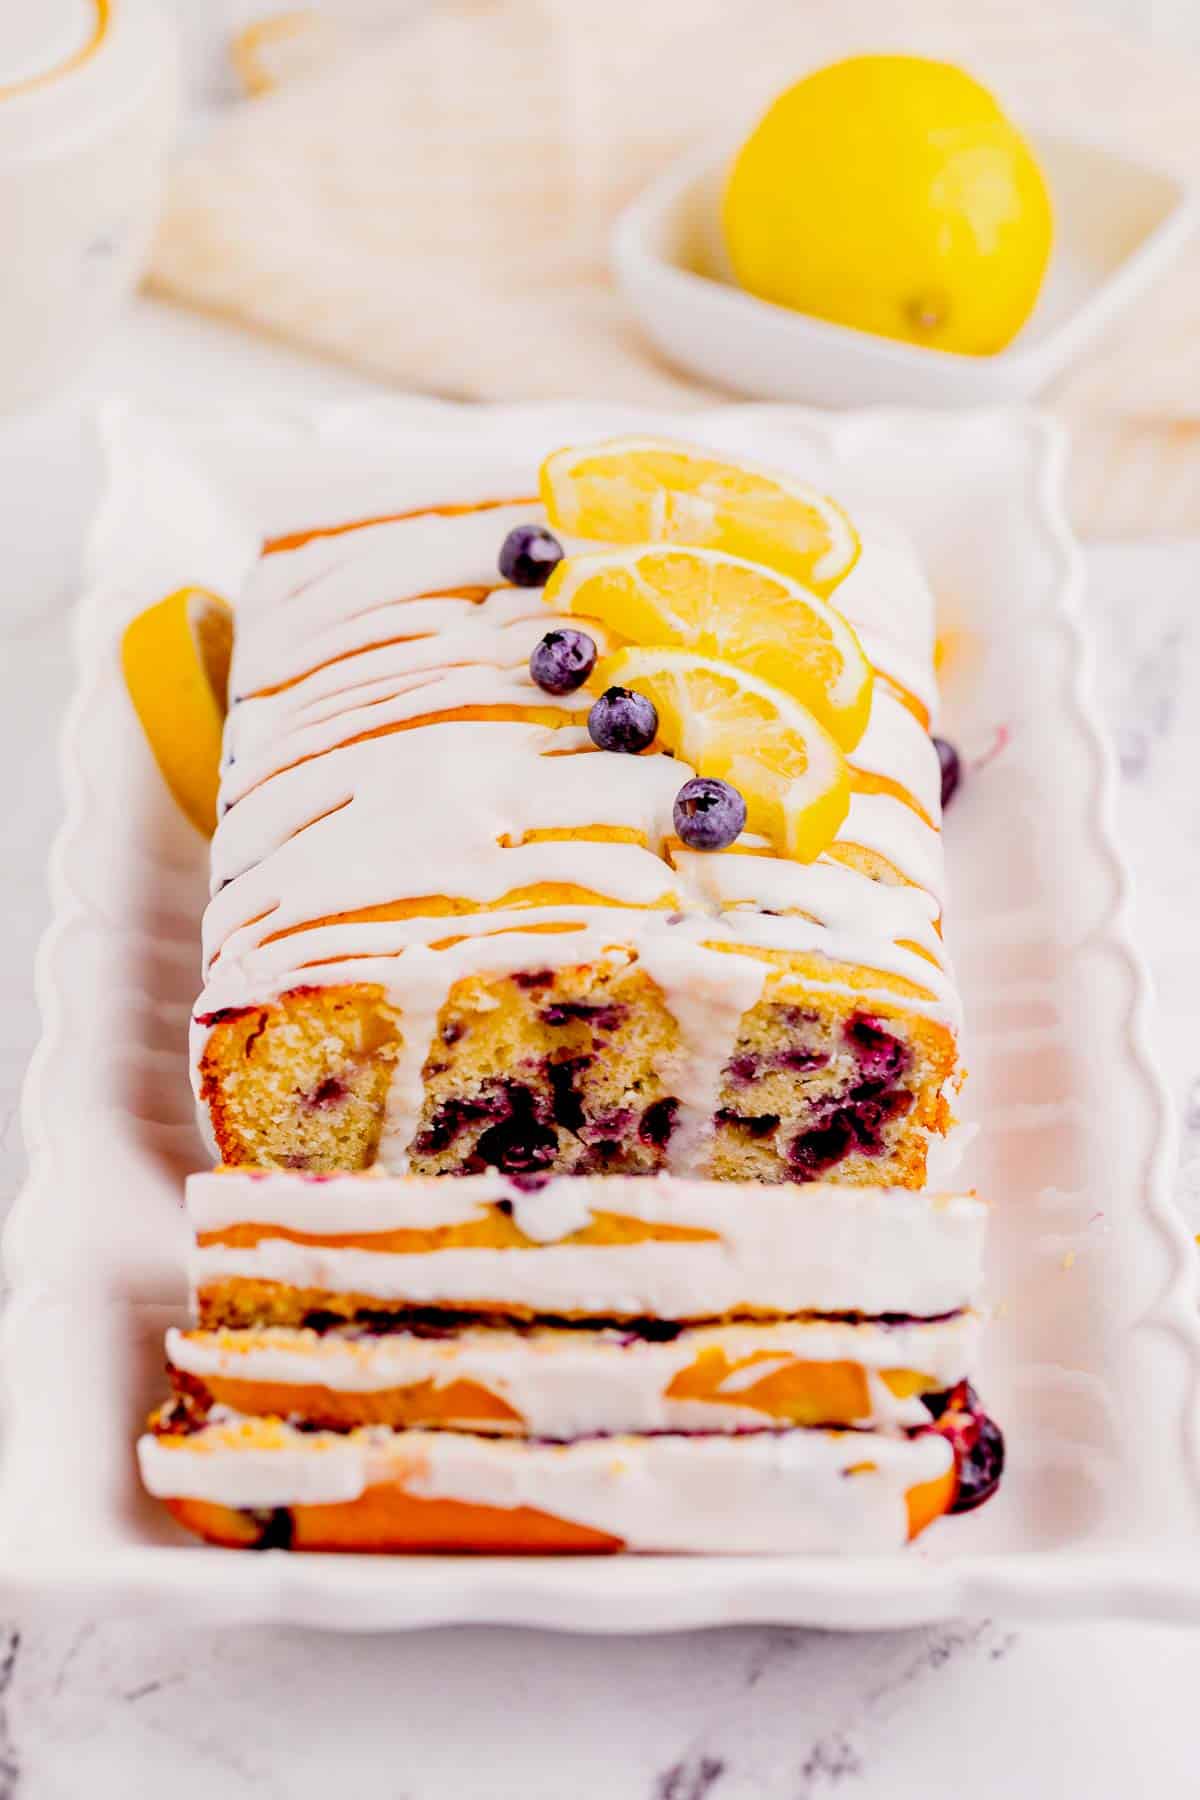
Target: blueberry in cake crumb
x,y
813,1152
521,1143
457,1114
757,1125
598,1014
801,1061
568,1104
328,1093
709,814
744,1068
948,757
563,661
658,1122
533,978
529,556
880,1055
622,720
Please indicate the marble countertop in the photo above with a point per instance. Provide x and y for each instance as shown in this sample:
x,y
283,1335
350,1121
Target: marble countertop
x,y
102,1705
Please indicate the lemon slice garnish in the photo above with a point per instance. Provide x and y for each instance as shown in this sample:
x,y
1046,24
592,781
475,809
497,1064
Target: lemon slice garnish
x,y
175,658
648,490
723,606
786,766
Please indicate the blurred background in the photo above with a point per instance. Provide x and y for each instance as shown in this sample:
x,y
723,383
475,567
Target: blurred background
x,y
427,191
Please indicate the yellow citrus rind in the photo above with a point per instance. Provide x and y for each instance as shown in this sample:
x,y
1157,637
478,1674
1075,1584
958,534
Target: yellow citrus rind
x,y
175,659
635,490
789,770
719,605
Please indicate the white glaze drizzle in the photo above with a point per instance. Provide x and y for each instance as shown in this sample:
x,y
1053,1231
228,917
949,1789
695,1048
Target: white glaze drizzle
x,y
371,628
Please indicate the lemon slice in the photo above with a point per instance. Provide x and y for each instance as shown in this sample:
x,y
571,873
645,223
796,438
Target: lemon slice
x,y
786,766
175,658
723,606
648,490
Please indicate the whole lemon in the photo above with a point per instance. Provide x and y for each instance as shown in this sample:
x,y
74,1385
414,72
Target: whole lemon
x,y
892,194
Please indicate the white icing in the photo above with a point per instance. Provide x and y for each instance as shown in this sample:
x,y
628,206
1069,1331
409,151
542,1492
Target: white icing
x,y
789,1491
895,746
707,1013
380,626
886,597
567,1384
817,1247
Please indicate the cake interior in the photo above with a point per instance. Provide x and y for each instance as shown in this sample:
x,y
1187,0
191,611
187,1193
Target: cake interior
x,y
569,1070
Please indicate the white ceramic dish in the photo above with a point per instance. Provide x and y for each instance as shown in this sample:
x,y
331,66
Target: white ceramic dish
x,y
1093,1360
87,104
1118,223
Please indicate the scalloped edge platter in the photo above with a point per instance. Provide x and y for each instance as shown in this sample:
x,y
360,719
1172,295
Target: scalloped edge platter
x,y
1093,1351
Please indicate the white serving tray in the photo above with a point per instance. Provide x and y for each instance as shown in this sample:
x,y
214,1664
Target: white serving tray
x,y
1093,1358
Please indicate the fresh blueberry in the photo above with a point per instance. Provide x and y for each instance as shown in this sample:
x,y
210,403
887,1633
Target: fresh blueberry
x,y
709,814
528,555
563,661
976,1440
951,769
979,1471
622,720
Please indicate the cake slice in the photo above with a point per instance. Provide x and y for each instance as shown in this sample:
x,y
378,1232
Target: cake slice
x,y
297,1250
264,1484
557,1382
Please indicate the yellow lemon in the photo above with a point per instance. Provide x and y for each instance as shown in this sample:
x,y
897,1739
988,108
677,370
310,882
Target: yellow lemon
x,y
649,490
175,658
787,768
726,607
892,194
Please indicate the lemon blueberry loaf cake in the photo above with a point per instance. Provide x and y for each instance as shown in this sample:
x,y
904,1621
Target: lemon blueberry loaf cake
x,y
575,1027
470,913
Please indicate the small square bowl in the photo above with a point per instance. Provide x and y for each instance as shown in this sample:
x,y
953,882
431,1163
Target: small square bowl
x,y
1118,223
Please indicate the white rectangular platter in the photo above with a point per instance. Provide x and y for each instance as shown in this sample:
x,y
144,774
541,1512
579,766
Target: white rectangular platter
x,y
1093,1353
